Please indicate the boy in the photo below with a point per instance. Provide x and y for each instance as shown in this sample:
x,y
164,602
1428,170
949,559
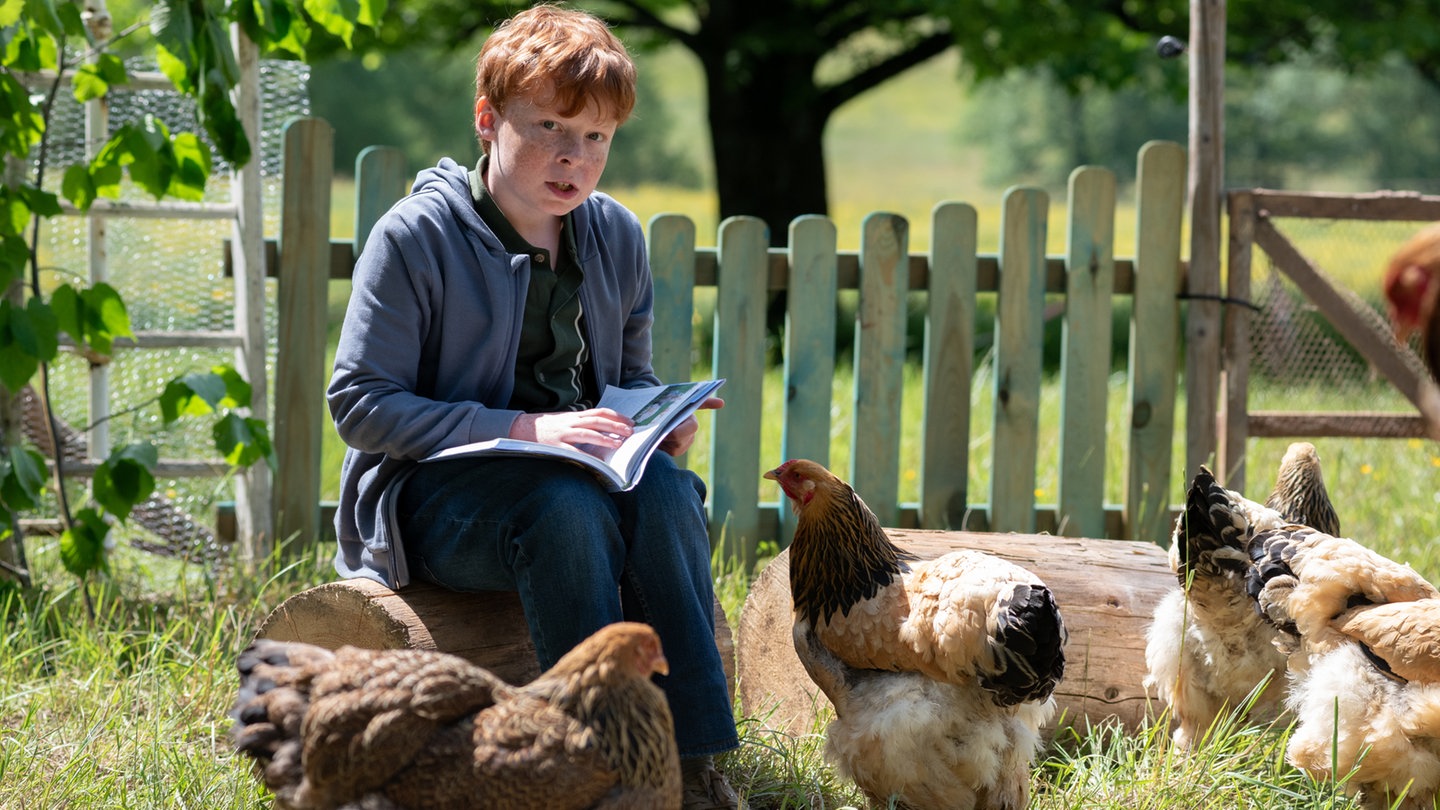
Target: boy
x,y
500,301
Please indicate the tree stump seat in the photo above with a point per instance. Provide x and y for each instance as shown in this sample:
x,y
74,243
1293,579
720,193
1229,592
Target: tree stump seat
x,y
487,628
1106,589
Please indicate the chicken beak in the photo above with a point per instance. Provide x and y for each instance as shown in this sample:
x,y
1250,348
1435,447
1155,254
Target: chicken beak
x,y
773,475
660,665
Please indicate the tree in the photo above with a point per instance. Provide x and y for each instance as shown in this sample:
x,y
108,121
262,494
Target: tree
x,y
53,45
776,71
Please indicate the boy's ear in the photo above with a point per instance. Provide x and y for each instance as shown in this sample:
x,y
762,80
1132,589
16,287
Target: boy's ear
x,y
484,118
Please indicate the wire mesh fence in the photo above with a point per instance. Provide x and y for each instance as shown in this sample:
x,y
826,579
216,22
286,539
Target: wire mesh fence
x,y
171,275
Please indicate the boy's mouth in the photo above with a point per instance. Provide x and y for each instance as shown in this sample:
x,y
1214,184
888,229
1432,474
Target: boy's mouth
x,y
563,186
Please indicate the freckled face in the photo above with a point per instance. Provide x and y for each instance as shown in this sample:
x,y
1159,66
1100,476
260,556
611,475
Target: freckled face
x,y
542,164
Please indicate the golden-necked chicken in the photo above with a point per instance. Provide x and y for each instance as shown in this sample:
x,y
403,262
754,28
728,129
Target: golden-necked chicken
x,y
940,671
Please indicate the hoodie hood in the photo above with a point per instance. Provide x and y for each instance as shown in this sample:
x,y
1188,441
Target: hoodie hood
x,y
451,182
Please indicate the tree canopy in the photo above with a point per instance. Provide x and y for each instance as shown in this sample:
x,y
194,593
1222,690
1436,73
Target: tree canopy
x,y
775,74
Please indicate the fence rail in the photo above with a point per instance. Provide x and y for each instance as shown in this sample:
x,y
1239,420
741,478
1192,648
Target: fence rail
x,y
743,268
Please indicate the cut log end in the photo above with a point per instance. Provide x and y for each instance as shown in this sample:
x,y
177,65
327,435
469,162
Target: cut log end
x,y
488,628
1107,591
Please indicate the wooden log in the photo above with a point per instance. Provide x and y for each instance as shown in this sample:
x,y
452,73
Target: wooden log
x,y
1106,589
487,628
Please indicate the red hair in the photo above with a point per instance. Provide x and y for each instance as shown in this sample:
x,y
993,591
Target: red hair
x,y
569,53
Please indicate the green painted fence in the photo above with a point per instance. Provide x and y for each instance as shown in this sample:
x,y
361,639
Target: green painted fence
x,y
743,268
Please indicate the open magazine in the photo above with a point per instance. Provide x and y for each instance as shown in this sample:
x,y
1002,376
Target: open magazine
x,y
656,411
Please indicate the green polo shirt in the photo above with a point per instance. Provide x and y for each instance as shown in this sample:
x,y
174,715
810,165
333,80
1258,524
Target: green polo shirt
x,y
552,367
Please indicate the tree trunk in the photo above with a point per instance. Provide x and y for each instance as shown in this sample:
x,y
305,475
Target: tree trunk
x,y
768,137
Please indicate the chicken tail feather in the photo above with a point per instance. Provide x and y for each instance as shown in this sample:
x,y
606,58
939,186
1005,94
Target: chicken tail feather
x,y
1212,533
1028,643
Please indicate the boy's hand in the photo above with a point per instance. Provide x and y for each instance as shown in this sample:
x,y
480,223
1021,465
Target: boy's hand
x,y
683,435
597,427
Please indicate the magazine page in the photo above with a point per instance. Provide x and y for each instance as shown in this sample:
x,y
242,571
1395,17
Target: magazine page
x,y
656,412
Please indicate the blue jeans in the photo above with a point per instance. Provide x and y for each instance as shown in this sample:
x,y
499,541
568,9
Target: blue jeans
x,y
582,558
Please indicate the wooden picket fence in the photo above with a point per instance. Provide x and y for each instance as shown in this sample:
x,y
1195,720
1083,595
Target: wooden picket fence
x,y
743,268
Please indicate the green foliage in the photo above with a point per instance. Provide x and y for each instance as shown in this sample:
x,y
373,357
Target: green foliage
x,y
192,45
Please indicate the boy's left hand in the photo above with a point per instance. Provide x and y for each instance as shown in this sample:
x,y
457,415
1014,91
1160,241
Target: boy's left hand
x,y
683,435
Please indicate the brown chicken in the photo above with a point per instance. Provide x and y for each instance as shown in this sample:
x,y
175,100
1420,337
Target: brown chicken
x,y
416,729
941,671
1412,288
1363,634
1207,651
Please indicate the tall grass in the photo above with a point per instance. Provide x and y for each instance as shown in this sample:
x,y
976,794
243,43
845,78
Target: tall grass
x,y
130,712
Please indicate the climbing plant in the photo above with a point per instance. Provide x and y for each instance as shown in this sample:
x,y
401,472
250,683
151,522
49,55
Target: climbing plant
x,y
54,46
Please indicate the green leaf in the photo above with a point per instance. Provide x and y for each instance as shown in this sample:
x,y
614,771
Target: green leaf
x,y
237,389
14,254
69,312
77,187
191,395
14,212
10,11
41,202
335,16
17,365
107,317
82,546
243,441
35,329
125,479
94,79
192,167
23,478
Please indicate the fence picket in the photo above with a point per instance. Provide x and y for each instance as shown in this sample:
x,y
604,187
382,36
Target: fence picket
x,y
1018,347
949,363
739,358
672,266
1154,334
1085,346
880,363
809,348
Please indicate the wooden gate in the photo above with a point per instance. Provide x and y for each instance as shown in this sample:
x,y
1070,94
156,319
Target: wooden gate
x,y
1252,224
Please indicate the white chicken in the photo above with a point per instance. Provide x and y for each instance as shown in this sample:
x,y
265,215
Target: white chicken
x,y
1207,651
1363,636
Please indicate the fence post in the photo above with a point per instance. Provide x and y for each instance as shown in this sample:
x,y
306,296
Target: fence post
x,y
1085,347
300,363
672,266
949,364
1154,332
740,302
880,363
380,180
1019,342
809,349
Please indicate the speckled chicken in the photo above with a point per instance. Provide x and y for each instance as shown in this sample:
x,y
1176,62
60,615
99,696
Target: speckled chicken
x,y
940,671
1363,635
416,729
1207,651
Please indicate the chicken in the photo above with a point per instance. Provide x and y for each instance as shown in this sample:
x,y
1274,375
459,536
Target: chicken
x,y
941,672
1363,634
1412,287
392,729
1207,651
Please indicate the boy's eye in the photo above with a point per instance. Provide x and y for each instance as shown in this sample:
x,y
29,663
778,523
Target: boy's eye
x,y
549,125
596,136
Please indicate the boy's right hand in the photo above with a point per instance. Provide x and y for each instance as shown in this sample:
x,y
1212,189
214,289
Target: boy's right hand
x,y
597,427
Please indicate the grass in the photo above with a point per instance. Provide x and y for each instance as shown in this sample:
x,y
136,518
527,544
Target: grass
x,y
131,712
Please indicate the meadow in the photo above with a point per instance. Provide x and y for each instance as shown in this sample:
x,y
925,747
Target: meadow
x,y
129,711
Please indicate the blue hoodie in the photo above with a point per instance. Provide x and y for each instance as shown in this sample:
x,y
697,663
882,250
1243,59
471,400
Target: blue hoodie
x,y
426,358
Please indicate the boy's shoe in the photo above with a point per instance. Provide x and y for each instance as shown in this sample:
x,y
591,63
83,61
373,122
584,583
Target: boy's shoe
x,y
705,788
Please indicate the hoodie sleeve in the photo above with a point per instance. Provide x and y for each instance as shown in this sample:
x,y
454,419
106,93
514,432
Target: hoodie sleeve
x,y
397,298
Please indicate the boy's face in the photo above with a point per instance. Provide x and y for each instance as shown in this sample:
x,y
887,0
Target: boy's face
x,y
542,164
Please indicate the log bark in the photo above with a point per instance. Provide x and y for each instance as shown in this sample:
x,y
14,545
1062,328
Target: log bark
x,y
1107,591
487,628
